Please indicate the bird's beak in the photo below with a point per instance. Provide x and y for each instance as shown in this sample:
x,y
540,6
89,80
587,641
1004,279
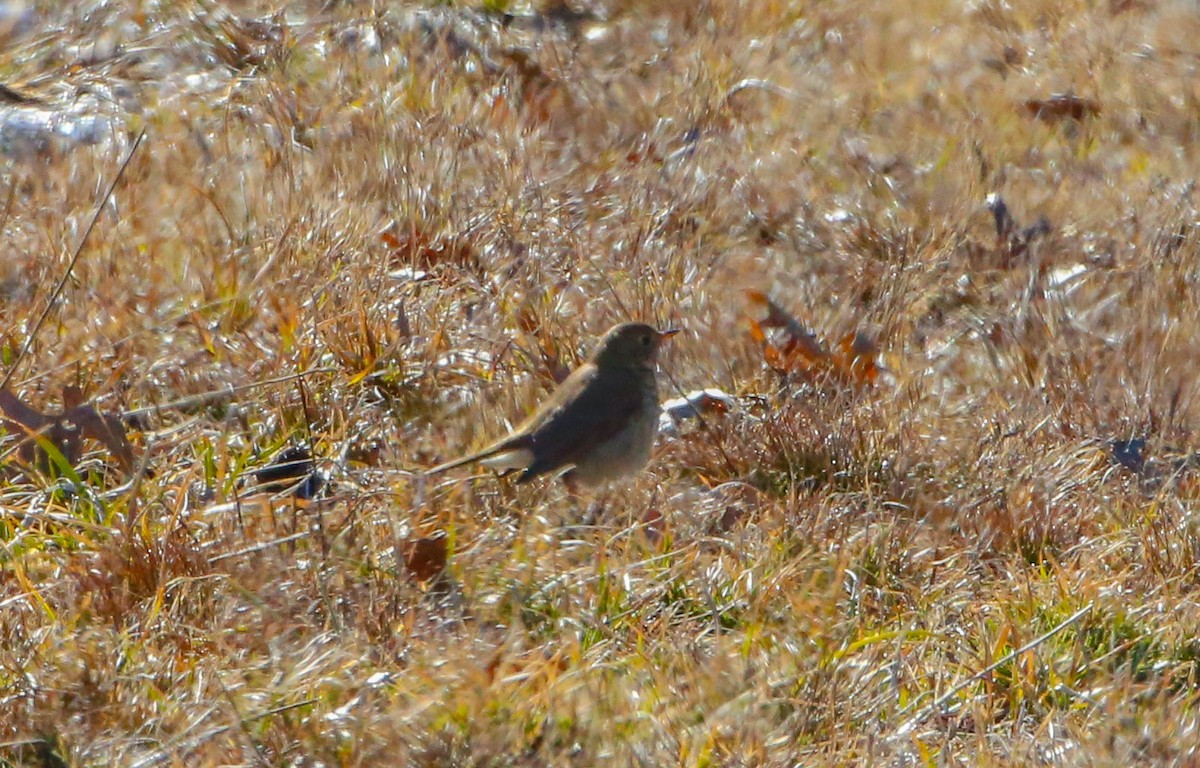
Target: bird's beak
x,y
664,335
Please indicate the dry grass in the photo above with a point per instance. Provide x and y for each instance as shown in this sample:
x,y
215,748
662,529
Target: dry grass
x,y
436,210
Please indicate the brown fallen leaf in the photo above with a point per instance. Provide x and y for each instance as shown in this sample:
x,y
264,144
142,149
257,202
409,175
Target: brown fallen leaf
x,y
692,406
729,504
798,354
800,340
802,352
855,358
412,247
425,558
65,432
1062,106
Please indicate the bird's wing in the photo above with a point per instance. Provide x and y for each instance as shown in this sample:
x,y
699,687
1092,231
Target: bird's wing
x,y
592,406
514,451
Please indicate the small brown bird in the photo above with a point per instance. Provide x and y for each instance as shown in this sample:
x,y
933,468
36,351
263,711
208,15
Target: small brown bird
x,y
600,422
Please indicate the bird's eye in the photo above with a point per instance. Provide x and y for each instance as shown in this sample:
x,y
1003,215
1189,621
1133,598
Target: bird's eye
x,y
645,341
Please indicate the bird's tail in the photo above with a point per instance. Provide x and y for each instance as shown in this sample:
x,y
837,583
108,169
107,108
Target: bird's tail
x,y
506,455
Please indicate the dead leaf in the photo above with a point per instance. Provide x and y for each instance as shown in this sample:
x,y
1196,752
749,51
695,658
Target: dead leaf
x,y
64,432
415,248
732,515
856,357
1062,106
425,558
733,500
777,317
802,351
692,405
771,353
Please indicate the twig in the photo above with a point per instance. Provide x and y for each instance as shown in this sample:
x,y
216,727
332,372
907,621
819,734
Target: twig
x,y
242,723
204,398
258,547
940,700
269,264
8,204
62,282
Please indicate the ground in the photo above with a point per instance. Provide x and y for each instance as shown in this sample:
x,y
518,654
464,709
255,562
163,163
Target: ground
x,y
942,258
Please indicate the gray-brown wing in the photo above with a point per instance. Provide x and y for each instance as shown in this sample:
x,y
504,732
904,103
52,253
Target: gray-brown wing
x,y
593,410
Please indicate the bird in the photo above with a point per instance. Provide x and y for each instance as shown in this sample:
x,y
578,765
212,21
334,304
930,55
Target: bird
x,y
599,424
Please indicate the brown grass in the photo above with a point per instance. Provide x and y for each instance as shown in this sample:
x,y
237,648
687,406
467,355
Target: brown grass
x,y
437,209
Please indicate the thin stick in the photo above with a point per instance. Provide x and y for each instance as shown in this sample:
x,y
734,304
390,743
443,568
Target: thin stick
x,y
260,547
243,726
940,700
8,204
62,282
217,395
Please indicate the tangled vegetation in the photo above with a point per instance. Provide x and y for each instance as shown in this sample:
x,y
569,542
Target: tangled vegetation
x,y
935,262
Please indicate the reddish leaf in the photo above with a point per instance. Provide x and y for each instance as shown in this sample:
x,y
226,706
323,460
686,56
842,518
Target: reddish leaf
x,y
425,558
415,247
771,353
801,349
856,359
1061,106
803,353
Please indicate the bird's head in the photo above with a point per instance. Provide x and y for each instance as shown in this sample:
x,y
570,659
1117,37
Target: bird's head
x,y
630,345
